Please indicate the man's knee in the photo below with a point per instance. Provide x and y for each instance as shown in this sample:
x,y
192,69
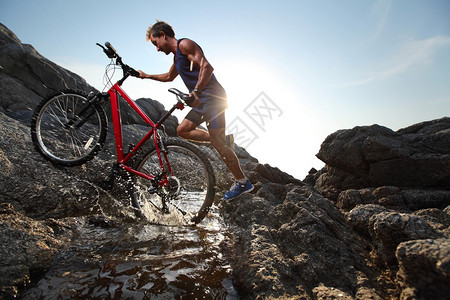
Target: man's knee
x,y
182,131
185,128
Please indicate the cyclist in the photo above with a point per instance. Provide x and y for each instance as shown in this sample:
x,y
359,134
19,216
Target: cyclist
x,y
210,98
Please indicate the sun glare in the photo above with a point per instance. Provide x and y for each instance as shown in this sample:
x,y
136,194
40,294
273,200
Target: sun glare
x,y
269,114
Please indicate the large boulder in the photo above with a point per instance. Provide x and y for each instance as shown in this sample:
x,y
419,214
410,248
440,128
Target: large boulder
x,y
394,189
372,156
26,76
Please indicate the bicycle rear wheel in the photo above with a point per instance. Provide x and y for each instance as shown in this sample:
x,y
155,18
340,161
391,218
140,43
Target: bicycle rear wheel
x,y
64,143
190,192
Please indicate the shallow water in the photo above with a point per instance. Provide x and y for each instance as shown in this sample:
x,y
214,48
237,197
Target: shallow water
x,y
140,261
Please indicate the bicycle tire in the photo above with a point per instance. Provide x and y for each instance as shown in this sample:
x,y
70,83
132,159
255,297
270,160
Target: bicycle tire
x,y
63,145
192,185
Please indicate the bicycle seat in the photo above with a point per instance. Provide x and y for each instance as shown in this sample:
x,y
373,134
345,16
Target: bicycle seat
x,y
183,96
178,93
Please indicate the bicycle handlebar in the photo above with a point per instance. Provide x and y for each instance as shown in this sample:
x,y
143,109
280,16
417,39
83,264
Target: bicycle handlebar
x,y
129,71
112,53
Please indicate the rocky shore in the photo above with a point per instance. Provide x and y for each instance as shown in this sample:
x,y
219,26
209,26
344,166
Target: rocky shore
x,y
372,224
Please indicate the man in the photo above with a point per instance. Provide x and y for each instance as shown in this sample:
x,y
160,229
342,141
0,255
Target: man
x,y
210,98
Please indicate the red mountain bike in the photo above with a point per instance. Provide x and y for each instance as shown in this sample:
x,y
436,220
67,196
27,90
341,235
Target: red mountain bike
x,y
171,181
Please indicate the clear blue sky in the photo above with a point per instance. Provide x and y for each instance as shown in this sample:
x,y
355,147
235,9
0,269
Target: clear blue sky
x,y
322,65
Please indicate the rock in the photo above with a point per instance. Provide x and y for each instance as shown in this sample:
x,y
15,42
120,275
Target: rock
x,y
436,218
414,157
287,248
266,173
61,192
394,197
360,216
424,268
389,229
26,247
26,76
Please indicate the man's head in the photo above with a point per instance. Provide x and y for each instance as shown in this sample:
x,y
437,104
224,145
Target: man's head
x,y
158,29
159,34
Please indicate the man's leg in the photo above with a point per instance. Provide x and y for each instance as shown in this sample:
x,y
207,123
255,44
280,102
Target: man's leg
x,y
216,136
188,130
218,141
242,184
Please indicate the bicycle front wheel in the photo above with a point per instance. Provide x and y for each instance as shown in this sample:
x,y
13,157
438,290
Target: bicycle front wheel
x,y
65,136
190,190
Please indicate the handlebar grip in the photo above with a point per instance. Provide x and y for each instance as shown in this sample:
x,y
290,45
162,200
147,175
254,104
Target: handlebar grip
x,y
111,48
134,73
188,99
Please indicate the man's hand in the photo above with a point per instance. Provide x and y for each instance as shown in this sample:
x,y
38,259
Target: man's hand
x,y
196,101
142,74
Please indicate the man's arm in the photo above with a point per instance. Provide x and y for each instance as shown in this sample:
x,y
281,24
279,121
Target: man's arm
x,y
196,56
166,77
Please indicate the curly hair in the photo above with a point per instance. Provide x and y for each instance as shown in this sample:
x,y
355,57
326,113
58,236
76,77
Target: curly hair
x,y
156,29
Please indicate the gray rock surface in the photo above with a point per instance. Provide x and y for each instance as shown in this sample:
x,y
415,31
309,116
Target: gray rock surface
x,y
27,246
371,156
26,76
393,188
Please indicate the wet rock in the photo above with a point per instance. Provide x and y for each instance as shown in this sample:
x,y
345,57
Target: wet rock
x,y
27,248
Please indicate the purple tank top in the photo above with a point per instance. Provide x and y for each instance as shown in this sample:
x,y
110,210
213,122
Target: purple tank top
x,y
212,95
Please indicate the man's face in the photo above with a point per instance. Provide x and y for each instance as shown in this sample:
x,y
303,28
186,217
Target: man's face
x,y
160,43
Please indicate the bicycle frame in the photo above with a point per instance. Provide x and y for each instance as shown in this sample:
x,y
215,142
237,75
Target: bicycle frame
x,y
113,93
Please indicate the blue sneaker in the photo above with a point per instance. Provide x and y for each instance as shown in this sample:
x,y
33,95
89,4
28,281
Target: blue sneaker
x,y
238,189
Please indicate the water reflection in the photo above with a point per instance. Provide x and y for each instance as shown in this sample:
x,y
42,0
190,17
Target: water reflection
x,y
141,262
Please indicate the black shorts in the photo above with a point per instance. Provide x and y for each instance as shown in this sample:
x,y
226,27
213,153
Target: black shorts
x,y
214,118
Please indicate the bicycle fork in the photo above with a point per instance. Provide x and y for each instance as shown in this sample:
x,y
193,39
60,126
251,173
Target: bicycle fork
x,y
77,121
